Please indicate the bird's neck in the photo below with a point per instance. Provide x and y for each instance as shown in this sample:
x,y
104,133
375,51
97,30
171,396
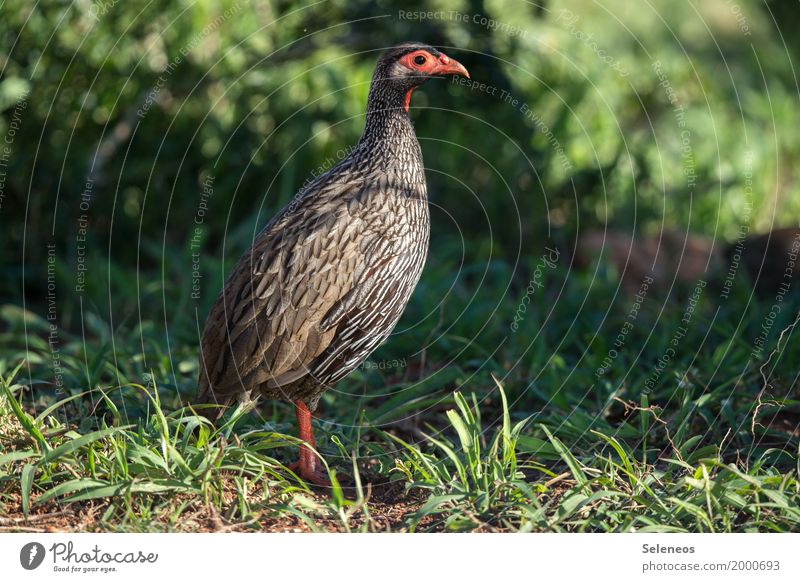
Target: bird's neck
x,y
388,131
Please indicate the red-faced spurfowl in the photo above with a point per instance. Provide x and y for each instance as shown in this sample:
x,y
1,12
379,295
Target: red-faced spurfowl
x,y
329,276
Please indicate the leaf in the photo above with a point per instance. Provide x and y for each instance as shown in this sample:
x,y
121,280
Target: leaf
x,y
620,452
163,486
26,485
507,453
24,418
145,457
66,488
15,456
434,501
98,492
575,502
568,458
49,410
536,446
74,445
155,487
461,430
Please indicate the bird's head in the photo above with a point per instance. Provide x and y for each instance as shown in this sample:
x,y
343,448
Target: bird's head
x,y
403,68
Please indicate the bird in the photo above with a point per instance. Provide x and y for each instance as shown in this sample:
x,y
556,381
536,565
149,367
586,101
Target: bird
x,y
328,277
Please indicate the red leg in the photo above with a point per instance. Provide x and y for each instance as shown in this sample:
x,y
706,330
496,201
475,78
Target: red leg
x,y
309,467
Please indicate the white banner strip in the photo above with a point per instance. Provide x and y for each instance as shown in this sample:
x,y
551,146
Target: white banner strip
x,y
387,557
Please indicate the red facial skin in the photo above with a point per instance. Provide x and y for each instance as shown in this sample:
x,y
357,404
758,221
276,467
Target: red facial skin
x,y
434,66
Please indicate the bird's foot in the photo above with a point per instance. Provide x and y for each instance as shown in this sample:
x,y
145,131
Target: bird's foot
x,y
310,473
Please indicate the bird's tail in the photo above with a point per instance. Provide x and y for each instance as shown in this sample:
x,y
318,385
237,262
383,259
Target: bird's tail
x,y
209,404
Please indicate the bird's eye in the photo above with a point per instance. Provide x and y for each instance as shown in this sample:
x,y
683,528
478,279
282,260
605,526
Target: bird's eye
x,y
419,60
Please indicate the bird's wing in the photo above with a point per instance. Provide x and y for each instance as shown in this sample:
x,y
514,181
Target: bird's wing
x,y
267,324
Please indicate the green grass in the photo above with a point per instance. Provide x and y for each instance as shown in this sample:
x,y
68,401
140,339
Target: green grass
x,y
485,430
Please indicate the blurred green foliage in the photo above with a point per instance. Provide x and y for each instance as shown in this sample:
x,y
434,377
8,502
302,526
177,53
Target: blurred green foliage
x,y
121,112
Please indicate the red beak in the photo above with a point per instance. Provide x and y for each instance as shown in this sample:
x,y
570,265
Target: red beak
x,y
448,66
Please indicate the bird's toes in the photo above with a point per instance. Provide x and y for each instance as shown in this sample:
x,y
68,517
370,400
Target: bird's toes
x,y
311,475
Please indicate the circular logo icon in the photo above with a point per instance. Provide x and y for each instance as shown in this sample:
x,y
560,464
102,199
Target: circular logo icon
x,y
31,555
